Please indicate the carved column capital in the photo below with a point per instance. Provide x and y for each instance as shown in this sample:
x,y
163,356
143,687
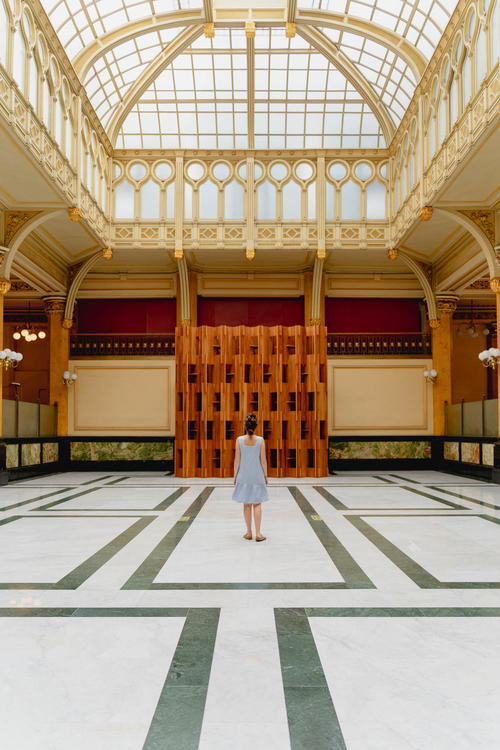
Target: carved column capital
x,y
495,284
434,323
393,253
4,286
447,303
426,213
54,305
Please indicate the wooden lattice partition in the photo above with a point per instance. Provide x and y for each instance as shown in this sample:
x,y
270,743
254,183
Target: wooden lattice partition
x,y
225,372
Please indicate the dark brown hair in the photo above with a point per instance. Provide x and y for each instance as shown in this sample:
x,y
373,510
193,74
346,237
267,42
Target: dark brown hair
x,y
250,424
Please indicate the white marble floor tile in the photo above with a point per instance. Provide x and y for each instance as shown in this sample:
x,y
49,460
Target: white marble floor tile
x,y
451,548
387,497
65,478
40,549
213,549
413,684
116,497
82,683
245,705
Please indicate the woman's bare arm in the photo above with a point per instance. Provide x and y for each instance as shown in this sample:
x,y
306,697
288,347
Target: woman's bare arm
x,y
236,460
263,459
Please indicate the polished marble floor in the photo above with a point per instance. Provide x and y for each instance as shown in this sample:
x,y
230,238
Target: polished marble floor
x,y
133,616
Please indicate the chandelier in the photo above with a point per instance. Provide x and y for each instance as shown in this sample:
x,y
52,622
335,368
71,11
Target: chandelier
x,y
28,333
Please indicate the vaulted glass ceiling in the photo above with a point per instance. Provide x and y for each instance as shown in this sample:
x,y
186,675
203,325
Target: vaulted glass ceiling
x,y
339,83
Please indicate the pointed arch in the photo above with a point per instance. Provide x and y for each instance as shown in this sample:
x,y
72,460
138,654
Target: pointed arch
x,y
75,287
184,289
160,62
323,45
477,233
419,272
33,223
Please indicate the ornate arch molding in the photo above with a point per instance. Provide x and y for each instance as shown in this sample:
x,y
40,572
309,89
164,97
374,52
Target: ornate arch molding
x,y
167,56
89,54
478,234
77,282
323,45
24,222
390,39
430,297
184,289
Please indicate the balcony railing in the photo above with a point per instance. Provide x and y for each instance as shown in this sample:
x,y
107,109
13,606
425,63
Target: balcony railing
x,y
379,344
122,345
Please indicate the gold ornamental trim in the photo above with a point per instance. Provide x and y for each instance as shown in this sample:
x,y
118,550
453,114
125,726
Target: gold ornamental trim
x,y
14,221
495,284
54,305
250,253
178,253
75,214
485,220
434,323
393,253
67,323
426,213
250,29
107,253
209,30
4,286
290,30
447,303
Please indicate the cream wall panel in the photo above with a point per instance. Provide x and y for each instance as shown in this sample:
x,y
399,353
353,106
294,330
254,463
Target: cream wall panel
x,y
122,397
251,285
379,397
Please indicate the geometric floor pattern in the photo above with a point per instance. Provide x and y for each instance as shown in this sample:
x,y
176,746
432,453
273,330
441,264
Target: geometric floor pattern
x,y
133,616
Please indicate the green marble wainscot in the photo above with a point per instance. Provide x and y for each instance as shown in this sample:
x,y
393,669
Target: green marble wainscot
x,y
488,454
31,454
380,449
451,451
50,453
12,458
128,451
471,453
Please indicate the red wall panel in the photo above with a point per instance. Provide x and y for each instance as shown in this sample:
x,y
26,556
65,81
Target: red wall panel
x,y
243,311
126,316
372,315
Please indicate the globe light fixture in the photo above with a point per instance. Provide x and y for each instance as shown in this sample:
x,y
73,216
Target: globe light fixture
x,y
430,375
69,378
8,358
489,357
16,335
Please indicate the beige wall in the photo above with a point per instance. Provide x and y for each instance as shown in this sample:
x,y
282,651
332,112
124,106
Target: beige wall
x,y
379,397
122,397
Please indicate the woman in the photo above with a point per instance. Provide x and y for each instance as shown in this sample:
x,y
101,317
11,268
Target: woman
x,y
250,477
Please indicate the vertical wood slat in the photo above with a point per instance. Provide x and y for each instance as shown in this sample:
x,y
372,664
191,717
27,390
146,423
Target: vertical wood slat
x,y
214,365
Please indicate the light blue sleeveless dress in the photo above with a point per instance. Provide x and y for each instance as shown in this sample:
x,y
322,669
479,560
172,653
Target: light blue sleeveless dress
x,y
250,481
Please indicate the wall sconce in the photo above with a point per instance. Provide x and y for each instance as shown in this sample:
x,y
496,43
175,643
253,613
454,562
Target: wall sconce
x,y
69,378
430,376
8,358
489,357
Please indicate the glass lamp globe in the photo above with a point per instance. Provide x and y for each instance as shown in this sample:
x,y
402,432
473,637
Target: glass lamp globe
x,y
16,335
42,335
24,332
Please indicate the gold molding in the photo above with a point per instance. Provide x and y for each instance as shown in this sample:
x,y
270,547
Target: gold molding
x,y
250,253
178,253
434,323
290,30
209,30
393,253
447,303
75,214
54,305
426,213
495,284
250,29
14,221
67,323
4,286
107,253
483,219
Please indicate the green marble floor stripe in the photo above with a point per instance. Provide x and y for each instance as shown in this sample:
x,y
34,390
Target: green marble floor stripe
x,y
54,503
339,505
402,611
94,611
466,497
34,499
384,479
144,576
171,499
348,568
405,479
330,498
410,567
178,718
82,572
432,497
312,719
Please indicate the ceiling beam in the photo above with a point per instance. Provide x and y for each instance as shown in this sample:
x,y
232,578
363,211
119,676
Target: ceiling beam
x,y
208,11
323,45
390,39
160,62
291,11
87,57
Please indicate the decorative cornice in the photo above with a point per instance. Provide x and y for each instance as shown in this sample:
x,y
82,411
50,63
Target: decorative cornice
x,y
447,303
17,285
480,284
54,305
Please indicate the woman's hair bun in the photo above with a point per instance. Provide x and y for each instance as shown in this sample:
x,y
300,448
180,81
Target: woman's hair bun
x,y
250,423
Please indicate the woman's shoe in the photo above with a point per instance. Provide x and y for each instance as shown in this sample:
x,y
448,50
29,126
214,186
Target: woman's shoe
x,y
247,536
260,538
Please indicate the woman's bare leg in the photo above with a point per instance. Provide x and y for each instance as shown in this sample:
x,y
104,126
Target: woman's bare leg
x,y
247,512
257,518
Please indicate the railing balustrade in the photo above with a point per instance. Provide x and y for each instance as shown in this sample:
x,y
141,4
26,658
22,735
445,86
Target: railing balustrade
x,y
122,345
379,344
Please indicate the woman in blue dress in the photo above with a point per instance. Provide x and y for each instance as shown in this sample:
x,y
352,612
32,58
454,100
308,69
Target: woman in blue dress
x,y
250,477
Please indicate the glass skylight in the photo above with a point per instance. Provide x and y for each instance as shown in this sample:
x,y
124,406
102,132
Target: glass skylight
x,y
199,101
387,73
420,22
80,22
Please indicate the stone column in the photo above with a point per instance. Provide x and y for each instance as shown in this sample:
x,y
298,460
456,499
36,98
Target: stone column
x,y
4,288
442,350
495,287
59,359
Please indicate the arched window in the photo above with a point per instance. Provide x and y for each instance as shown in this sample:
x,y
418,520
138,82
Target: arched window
x,y
431,135
292,201
59,119
442,123
311,201
495,33
150,200
33,81
330,202
47,103
19,60
188,200
266,200
4,31
350,193
68,139
124,200
480,54
234,200
467,79
454,100
375,200
208,194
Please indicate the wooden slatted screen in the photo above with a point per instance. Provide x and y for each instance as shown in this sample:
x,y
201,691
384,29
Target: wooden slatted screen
x,y
225,372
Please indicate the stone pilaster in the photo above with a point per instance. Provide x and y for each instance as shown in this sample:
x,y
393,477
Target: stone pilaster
x,y
59,359
442,351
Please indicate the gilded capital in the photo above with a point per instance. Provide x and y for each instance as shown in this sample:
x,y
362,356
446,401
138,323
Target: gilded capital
x,y
209,30
290,30
178,253
4,286
67,323
447,303
495,284
393,253
54,305
107,253
426,213
75,214
321,253
250,254
434,322
250,29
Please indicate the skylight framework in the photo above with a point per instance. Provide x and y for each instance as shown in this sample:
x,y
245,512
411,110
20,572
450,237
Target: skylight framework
x,y
80,22
420,22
